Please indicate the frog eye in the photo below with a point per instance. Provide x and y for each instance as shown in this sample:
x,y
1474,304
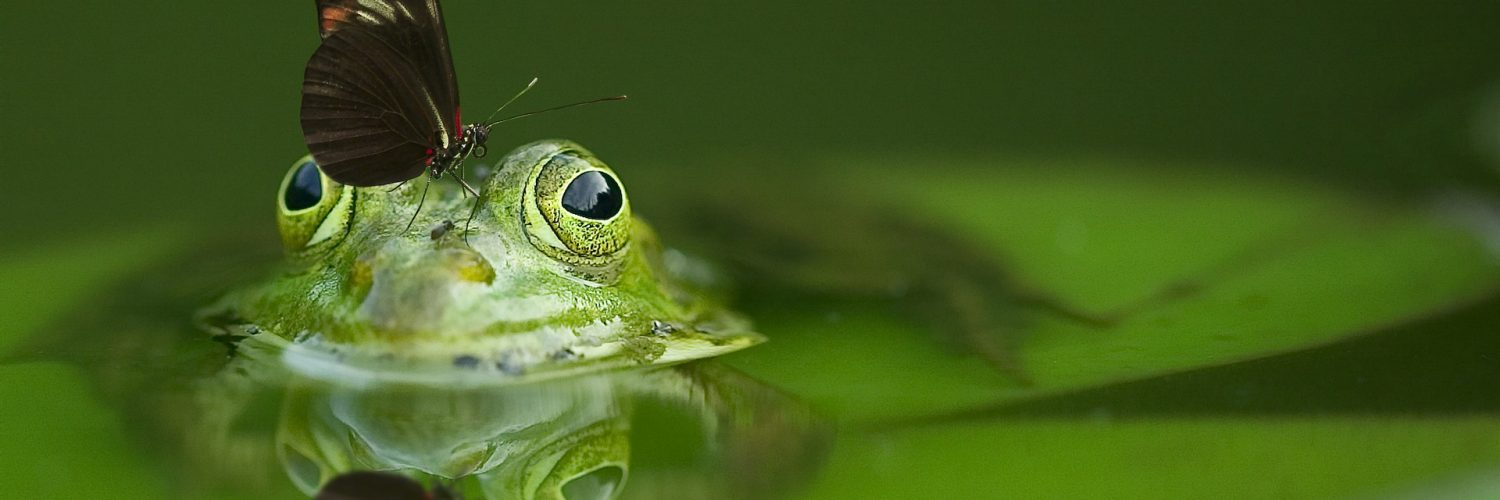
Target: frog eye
x,y
581,215
312,209
592,463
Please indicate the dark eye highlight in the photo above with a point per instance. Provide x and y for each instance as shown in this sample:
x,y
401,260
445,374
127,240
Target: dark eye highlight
x,y
305,189
593,195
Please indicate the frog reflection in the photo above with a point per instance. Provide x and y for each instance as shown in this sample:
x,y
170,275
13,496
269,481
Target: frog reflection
x,y
249,426
554,439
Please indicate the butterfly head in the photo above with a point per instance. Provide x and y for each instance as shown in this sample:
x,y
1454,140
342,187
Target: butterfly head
x,y
476,134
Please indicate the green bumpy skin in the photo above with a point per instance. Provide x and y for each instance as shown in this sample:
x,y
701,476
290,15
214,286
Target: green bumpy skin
x,y
522,289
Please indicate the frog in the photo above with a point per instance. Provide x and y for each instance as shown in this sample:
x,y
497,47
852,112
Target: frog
x,y
544,273
393,324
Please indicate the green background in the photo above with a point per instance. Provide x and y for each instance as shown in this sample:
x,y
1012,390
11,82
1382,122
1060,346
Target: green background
x,y
120,112
1156,119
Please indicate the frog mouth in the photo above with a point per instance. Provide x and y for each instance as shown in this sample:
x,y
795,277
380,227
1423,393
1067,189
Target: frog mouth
x,y
510,359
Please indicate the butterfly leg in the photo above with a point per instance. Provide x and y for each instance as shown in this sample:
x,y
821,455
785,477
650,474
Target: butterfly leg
x,y
478,200
467,187
422,201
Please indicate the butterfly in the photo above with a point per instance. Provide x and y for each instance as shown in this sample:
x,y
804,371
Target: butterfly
x,y
380,98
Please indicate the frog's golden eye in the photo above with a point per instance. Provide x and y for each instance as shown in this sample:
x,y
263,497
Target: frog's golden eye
x,y
311,209
576,210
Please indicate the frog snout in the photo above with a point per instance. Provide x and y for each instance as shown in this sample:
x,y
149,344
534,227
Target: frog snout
x,y
467,265
416,291
462,264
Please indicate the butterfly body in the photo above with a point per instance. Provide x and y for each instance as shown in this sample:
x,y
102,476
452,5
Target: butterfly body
x,y
470,142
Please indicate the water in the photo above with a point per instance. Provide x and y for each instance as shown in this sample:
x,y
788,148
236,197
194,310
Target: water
x,y
1258,198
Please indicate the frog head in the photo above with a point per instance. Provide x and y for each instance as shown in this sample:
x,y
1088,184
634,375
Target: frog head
x,y
544,270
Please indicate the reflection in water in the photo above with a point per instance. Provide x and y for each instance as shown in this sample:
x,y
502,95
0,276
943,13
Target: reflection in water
x,y
244,425
560,438
513,441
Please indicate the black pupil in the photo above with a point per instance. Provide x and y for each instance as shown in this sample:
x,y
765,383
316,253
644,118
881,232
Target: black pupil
x,y
593,195
306,188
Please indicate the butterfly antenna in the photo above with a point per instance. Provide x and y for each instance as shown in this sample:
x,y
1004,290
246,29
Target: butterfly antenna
x,y
555,108
512,99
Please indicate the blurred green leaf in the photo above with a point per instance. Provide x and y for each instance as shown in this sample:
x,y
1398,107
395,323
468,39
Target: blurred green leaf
x,y
44,281
1209,268
1303,457
60,442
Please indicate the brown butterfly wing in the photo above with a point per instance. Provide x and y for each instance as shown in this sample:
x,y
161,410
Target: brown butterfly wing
x,y
379,95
